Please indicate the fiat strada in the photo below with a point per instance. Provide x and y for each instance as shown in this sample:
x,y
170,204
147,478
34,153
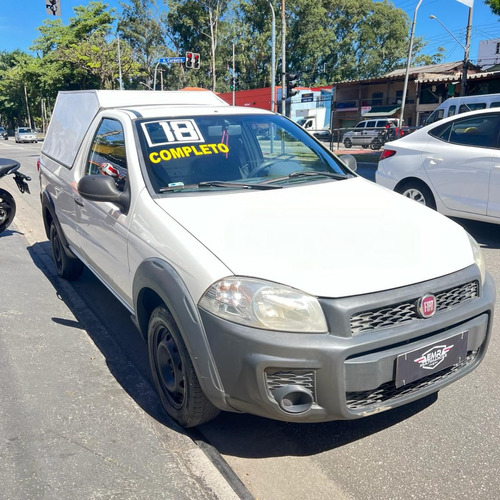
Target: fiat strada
x,y
264,274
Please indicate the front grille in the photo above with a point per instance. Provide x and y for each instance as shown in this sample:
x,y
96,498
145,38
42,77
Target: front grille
x,y
388,393
397,314
277,379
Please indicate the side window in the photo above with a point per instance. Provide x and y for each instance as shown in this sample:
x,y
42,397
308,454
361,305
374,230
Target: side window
x,y
441,132
452,110
107,153
495,104
377,98
360,125
478,131
471,107
371,124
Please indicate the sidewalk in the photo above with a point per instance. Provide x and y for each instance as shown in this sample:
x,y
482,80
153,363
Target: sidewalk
x,y
69,428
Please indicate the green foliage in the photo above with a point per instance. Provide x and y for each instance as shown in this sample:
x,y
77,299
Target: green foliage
x,y
326,41
494,5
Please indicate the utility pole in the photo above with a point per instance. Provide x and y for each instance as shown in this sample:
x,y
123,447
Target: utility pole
x,y
463,87
408,63
27,106
283,58
119,63
234,79
273,58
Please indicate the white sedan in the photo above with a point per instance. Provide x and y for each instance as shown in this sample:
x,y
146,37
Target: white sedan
x,y
452,166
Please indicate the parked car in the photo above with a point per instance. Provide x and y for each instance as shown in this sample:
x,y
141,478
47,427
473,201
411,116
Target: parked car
x,y
372,133
24,134
451,166
3,133
264,274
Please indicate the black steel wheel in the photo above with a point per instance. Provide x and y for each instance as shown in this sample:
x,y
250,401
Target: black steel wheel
x,y
348,143
69,268
7,209
173,373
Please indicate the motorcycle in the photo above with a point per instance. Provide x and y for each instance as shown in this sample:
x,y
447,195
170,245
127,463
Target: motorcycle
x,y
7,202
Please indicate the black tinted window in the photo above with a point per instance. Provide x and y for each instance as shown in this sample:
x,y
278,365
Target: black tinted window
x,y
478,131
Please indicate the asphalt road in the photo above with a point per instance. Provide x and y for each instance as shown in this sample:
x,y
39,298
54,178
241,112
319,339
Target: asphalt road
x,y
444,447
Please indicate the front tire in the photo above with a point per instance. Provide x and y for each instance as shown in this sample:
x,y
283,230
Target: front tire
x,y
173,373
7,209
69,268
348,143
418,192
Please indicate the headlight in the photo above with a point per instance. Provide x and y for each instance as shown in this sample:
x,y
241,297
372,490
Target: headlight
x,y
261,304
478,257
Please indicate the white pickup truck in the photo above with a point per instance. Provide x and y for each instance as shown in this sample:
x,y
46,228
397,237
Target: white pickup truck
x,y
264,274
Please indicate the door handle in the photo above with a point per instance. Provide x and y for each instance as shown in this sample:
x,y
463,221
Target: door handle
x,y
78,201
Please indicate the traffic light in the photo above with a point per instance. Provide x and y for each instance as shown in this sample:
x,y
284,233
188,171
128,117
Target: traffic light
x,y
291,83
53,7
196,61
189,60
235,83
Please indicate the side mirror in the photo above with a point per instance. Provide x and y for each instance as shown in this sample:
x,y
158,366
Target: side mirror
x,y
350,161
103,188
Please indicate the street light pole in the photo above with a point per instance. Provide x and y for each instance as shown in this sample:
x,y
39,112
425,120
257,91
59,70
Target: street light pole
x,y
408,63
283,58
465,64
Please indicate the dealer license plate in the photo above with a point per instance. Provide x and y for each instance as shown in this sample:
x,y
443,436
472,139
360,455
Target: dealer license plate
x,y
430,359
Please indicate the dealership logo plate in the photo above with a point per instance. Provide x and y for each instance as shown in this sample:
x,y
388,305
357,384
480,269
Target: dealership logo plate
x,y
430,359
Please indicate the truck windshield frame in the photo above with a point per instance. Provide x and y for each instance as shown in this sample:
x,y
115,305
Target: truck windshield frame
x,y
238,148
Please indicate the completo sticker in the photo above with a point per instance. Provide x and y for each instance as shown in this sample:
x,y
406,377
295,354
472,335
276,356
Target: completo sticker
x,y
186,151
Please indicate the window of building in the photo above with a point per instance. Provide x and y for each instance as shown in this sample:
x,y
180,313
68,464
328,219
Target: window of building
x,y
377,98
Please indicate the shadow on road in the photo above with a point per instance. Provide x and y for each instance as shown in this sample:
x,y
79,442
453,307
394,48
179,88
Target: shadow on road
x,y
247,436
110,328
486,234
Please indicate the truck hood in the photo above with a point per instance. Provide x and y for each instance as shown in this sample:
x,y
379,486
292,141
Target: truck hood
x,y
329,239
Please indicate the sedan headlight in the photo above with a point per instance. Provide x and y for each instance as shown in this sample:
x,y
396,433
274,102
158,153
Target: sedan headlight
x,y
261,304
478,257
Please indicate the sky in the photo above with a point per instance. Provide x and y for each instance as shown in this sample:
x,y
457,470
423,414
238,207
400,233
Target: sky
x,y
18,25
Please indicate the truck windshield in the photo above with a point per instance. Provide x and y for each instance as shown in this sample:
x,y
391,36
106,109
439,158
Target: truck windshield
x,y
201,152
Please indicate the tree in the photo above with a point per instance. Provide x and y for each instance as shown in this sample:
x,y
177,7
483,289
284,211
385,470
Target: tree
x,y
194,25
80,53
142,25
494,5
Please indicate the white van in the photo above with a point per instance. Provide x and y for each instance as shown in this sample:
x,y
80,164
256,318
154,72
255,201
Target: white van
x,y
456,105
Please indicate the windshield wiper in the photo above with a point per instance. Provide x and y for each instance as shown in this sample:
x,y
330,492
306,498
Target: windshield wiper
x,y
236,185
302,173
176,187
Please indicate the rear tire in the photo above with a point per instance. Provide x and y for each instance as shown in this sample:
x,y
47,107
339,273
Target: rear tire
x,y
7,209
376,144
69,268
173,373
418,192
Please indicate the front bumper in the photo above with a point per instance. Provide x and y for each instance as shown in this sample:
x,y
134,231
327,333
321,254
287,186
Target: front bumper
x,y
350,372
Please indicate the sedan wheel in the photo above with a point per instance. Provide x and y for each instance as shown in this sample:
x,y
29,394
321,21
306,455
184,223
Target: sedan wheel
x,y
418,192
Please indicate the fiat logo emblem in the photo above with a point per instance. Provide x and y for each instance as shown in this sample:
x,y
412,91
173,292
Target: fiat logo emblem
x,y
426,306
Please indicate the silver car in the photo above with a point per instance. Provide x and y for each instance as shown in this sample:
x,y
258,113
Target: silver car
x,y
24,134
373,133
